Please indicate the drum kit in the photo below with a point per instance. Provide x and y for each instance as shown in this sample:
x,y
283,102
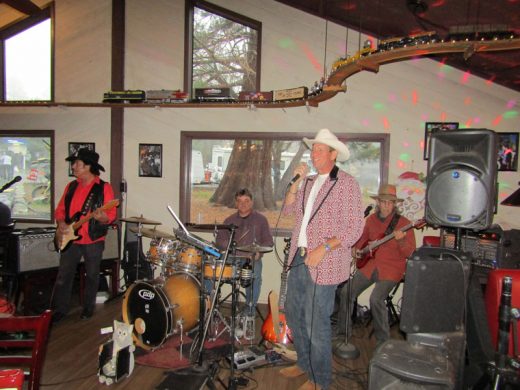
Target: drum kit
x,y
178,300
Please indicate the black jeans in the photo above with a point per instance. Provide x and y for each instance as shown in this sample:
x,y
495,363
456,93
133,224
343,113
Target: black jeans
x,y
69,260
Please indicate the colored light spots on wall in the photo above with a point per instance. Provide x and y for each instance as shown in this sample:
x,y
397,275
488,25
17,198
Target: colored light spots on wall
x,y
424,118
286,43
441,76
310,56
421,144
365,122
467,101
476,120
386,123
401,164
443,116
406,144
510,114
379,106
465,77
490,80
497,120
510,104
405,157
415,97
392,97
469,123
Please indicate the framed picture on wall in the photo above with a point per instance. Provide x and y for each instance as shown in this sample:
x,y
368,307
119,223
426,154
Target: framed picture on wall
x,y
432,127
75,146
150,160
507,158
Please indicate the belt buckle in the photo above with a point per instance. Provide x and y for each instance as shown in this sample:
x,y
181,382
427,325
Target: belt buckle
x,y
303,251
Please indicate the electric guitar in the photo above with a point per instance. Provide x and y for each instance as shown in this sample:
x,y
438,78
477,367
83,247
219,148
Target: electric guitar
x,y
365,254
63,240
275,327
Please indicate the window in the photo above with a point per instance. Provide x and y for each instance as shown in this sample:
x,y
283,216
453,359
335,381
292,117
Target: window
x,y
26,56
263,162
223,49
28,155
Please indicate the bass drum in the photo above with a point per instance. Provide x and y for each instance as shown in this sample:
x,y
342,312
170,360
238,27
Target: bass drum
x,y
160,308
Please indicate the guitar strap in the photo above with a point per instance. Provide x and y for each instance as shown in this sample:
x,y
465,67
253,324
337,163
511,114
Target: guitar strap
x,y
392,224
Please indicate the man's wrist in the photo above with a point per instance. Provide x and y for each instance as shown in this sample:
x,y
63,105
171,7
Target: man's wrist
x,y
327,247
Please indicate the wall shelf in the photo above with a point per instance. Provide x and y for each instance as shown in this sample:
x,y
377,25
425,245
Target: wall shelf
x,y
333,84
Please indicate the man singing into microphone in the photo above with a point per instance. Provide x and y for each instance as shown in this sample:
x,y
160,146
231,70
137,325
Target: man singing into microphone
x,y
328,221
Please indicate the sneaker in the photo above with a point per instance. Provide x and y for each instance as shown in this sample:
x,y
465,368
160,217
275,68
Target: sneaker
x,y
86,313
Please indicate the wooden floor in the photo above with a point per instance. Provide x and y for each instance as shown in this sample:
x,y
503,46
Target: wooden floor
x,y
72,352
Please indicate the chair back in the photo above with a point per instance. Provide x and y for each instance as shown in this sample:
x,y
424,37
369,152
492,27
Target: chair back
x,y
24,340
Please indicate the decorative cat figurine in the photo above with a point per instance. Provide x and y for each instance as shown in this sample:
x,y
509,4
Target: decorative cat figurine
x,y
116,356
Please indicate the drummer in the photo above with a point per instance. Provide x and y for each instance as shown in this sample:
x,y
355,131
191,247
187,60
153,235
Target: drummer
x,y
252,228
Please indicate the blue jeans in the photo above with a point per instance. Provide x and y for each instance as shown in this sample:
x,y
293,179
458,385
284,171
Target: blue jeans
x,y
308,309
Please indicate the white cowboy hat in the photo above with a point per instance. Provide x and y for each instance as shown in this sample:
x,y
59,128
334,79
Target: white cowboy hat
x,y
326,137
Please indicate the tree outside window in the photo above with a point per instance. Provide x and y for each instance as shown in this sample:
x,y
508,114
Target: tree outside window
x,y
225,49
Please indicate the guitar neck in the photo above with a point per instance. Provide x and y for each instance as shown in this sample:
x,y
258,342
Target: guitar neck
x,y
105,207
389,237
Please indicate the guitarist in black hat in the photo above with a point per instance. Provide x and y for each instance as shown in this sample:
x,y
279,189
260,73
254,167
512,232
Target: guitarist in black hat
x,y
90,199
384,266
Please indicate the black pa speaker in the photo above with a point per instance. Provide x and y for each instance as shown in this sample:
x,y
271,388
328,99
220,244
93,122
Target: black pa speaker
x,y
434,292
462,179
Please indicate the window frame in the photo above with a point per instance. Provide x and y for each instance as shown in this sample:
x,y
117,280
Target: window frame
x,y
188,40
37,134
187,138
18,27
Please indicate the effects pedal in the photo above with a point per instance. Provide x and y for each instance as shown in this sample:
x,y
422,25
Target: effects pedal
x,y
249,357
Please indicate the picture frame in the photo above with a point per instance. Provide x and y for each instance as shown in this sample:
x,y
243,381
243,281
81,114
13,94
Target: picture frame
x,y
75,146
431,127
507,158
150,160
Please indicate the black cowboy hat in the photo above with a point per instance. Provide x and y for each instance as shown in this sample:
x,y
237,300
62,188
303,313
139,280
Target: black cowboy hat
x,y
88,157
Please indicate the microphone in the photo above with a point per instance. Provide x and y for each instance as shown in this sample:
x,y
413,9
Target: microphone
x,y
294,179
368,210
9,184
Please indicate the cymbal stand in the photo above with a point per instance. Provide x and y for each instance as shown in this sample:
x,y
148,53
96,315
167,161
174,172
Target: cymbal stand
x,y
138,250
204,325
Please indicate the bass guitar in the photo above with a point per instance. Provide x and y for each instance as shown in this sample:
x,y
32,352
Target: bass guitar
x,y
365,254
63,240
275,329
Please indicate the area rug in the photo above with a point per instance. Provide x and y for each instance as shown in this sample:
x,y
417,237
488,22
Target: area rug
x,y
169,355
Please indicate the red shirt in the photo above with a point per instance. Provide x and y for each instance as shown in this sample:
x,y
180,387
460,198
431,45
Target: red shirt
x,y
390,258
78,199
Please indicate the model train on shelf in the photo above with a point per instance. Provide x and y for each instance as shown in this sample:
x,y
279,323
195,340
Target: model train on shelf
x,y
206,95
456,34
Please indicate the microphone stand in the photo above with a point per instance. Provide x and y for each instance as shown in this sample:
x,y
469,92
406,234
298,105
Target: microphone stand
x,y
344,349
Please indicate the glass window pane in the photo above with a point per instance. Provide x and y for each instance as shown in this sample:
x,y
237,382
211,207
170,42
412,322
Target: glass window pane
x,y
224,53
28,64
219,167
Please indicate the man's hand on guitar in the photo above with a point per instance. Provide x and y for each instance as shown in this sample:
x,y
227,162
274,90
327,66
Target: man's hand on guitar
x,y
100,216
399,235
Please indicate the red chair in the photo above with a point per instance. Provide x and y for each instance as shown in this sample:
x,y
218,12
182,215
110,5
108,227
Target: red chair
x,y
25,339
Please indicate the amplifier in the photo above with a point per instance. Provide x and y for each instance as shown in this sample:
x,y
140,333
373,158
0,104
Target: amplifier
x,y
33,249
491,249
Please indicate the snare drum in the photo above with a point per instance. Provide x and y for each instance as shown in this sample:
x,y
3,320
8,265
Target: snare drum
x,y
162,252
231,271
162,307
188,260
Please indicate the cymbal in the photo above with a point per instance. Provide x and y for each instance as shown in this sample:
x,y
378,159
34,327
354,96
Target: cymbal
x,y
153,233
209,226
142,220
254,248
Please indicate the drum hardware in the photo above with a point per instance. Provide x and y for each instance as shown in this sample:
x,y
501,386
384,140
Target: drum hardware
x,y
210,226
255,248
153,233
140,220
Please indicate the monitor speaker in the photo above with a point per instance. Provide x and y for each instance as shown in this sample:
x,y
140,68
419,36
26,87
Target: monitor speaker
x,y
434,291
462,178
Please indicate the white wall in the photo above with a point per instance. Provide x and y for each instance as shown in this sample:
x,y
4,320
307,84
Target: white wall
x,y
397,100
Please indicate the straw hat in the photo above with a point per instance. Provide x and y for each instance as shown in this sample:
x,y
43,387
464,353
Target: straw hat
x,y
387,192
326,137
